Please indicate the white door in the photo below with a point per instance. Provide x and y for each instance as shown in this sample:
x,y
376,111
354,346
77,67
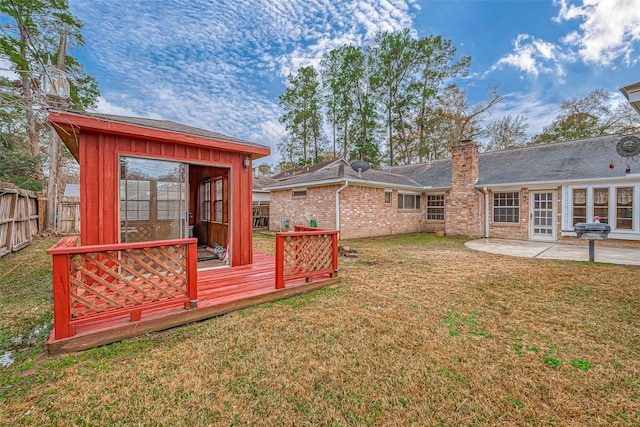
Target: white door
x,y
542,215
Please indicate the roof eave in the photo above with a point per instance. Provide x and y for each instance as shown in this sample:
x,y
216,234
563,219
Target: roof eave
x,y
68,126
351,181
632,93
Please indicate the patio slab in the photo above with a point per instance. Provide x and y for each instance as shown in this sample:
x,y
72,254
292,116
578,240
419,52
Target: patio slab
x,y
554,250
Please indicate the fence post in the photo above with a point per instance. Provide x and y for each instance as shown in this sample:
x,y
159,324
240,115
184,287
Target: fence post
x,y
61,296
279,261
192,272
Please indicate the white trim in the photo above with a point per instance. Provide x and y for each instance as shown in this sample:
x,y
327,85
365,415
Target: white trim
x,y
337,181
554,215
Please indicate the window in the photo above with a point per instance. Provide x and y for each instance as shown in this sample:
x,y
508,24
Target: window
x,y
134,199
579,205
217,203
170,200
435,207
387,197
299,193
624,208
601,204
408,201
506,207
205,197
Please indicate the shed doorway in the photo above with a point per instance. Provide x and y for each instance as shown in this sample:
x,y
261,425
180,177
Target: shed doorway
x,y
164,200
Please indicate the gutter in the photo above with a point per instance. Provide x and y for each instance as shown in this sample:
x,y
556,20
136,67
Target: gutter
x,y
345,185
486,212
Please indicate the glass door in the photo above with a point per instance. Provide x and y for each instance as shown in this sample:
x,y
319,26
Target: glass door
x,y
542,214
153,200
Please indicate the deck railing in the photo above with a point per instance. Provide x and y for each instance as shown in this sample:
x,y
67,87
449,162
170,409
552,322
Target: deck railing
x,y
100,282
305,253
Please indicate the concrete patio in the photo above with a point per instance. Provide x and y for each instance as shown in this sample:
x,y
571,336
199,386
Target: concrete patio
x,y
554,250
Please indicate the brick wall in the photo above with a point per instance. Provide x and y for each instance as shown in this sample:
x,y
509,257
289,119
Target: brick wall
x,y
318,204
518,230
464,204
363,212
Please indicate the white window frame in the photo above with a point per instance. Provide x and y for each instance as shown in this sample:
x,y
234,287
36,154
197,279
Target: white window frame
x,y
515,207
567,208
438,207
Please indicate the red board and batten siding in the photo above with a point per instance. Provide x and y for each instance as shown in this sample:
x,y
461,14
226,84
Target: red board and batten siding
x,y
99,186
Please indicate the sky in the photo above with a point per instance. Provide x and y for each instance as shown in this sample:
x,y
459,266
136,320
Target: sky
x,y
221,64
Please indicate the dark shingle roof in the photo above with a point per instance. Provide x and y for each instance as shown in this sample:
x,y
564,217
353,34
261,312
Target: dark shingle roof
x,y
436,174
300,170
333,174
260,181
556,162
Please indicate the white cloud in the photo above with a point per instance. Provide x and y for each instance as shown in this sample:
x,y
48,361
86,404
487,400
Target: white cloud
x,y
219,64
530,105
534,56
610,29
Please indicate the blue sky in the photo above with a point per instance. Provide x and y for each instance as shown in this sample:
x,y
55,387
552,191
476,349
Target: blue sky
x,y
221,64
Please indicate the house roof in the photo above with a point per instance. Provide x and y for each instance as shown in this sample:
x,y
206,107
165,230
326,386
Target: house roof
x,y
68,125
339,173
306,169
436,174
261,181
577,160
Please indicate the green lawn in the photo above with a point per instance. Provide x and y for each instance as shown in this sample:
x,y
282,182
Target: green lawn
x,y
420,331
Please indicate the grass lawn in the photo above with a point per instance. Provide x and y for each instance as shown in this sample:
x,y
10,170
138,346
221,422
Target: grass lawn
x,y
420,331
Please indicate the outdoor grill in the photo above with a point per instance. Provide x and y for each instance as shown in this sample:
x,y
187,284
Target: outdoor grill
x,y
592,231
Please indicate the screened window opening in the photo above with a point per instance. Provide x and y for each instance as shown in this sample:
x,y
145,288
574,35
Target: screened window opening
x,y
217,214
579,205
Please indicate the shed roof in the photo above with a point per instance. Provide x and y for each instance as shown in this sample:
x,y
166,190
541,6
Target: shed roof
x,y
69,124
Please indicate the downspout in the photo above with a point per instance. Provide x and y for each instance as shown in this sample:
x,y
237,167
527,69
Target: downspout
x,y
346,183
486,212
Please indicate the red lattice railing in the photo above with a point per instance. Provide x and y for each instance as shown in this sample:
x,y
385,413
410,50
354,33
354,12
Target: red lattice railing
x,y
305,253
104,281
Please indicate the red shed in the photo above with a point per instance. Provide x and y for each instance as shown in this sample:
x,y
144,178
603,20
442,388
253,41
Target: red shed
x,y
148,180
153,193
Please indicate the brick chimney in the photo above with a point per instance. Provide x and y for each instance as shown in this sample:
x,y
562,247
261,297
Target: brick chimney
x,y
464,203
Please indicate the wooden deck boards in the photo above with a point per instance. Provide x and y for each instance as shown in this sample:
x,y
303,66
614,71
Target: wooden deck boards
x,y
220,291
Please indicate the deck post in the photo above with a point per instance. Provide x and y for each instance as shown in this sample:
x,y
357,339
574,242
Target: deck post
x,y
279,262
61,296
334,254
192,273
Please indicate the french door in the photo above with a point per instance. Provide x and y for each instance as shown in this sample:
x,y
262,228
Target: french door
x,y
542,215
153,200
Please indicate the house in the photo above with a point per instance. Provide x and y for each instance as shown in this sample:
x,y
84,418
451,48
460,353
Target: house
x,y
154,194
358,204
535,192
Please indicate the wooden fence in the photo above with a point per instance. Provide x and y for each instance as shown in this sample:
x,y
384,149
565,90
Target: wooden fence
x,y
69,215
261,214
18,217
305,253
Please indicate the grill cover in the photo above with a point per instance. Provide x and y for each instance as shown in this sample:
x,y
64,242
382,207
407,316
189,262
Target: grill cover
x,y
592,230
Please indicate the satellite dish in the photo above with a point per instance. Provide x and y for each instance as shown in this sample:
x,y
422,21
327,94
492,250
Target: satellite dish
x,y
628,146
360,166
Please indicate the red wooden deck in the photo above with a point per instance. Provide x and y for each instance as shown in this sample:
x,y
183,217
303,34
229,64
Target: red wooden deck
x,y
220,291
